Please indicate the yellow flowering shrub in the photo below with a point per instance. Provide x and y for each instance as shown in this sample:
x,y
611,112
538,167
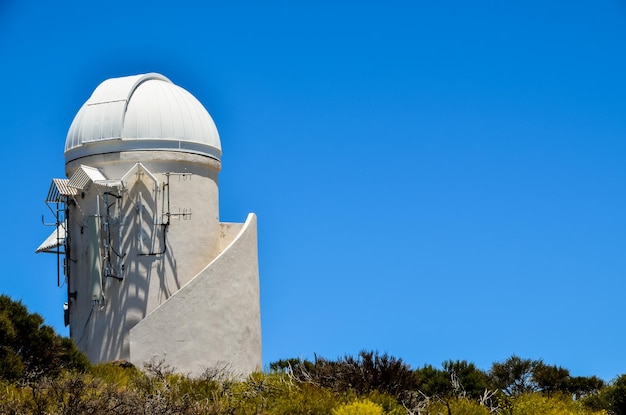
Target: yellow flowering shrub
x,y
461,406
360,407
538,404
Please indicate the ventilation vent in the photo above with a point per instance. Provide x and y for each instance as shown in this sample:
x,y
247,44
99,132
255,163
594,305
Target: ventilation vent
x,y
59,190
56,239
84,176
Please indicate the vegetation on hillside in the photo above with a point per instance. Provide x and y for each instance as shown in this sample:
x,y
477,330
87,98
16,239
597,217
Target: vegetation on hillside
x,y
29,349
43,373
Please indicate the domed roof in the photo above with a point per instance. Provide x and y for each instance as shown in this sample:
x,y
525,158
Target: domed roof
x,y
141,112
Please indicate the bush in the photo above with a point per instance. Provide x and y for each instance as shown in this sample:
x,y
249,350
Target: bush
x,y
466,379
454,406
360,407
539,404
29,349
369,371
388,403
431,381
611,398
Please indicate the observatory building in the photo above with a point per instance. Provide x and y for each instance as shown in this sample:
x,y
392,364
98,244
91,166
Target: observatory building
x,y
150,271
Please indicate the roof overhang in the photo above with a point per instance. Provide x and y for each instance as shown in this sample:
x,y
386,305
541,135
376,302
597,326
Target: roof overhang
x,y
54,241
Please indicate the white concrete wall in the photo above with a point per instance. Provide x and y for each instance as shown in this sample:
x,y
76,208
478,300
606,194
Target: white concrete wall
x,y
192,242
214,319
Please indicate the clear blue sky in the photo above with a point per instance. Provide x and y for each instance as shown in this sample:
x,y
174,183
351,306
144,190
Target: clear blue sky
x,y
436,180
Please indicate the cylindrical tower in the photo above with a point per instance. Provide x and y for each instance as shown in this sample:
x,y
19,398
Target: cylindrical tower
x,y
151,271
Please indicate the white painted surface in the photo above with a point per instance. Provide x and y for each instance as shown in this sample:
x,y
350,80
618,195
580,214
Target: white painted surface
x,y
213,320
180,284
158,258
141,112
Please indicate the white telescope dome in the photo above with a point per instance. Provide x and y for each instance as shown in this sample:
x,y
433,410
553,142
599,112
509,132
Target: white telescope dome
x,y
138,113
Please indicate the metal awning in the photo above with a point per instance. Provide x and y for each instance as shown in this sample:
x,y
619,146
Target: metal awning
x,y
56,239
59,190
85,175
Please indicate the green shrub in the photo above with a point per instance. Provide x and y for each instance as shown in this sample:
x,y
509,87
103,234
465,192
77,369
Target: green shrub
x,y
389,404
115,373
611,398
29,349
456,406
281,394
367,372
360,407
540,404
